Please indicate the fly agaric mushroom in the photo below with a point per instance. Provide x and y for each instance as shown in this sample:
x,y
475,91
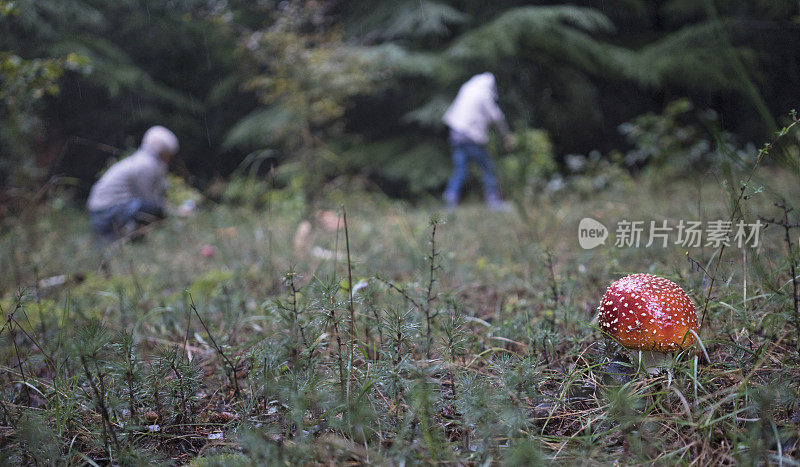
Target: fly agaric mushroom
x,y
650,314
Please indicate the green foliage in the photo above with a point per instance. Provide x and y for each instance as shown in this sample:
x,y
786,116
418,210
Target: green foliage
x,y
32,78
37,442
8,8
221,460
455,336
588,175
209,283
307,75
529,167
514,375
409,20
23,85
468,347
282,189
262,127
113,84
401,330
355,87
179,191
525,452
690,58
91,339
669,144
404,161
559,33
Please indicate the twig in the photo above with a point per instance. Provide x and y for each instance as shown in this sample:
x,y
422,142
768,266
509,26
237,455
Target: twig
x,y
429,297
400,291
186,336
217,347
19,363
553,283
787,227
101,403
290,278
181,392
351,307
761,154
695,265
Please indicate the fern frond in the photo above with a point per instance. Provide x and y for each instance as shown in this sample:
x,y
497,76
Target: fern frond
x,y
260,127
402,60
388,21
563,33
112,69
690,57
429,114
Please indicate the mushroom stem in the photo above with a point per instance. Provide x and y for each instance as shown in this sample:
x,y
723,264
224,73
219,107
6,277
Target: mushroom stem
x,y
653,361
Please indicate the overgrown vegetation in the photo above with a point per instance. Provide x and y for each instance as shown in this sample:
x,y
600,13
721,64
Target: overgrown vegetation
x,y
305,314
360,88
399,336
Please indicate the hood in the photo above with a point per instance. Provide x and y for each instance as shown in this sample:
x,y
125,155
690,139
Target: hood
x,y
483,83
159,140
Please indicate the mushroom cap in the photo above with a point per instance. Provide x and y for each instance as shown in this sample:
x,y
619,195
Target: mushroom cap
x,y
647,312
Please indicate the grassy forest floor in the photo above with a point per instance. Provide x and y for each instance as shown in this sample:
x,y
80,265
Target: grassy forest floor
x,y
230,337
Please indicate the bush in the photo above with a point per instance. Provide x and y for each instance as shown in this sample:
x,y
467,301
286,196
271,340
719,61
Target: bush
x,y
672,145
528,168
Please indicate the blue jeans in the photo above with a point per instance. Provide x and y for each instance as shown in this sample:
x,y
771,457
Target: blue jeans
x,y
463,154
109,223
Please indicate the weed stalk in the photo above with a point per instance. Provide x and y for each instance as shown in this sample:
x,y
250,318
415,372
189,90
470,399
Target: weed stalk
x,y
762,153
350,306
99,393
231,365
429,295
792,255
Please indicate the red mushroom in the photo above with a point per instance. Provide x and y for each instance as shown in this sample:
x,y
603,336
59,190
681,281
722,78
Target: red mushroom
x,y
650,314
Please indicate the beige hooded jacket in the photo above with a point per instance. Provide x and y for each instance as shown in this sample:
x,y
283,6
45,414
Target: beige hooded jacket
x,y
141,175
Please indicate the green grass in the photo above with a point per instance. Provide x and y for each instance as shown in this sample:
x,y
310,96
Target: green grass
x,y
259,354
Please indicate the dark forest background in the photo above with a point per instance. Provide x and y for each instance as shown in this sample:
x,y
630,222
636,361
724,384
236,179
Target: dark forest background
x,y
323,88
